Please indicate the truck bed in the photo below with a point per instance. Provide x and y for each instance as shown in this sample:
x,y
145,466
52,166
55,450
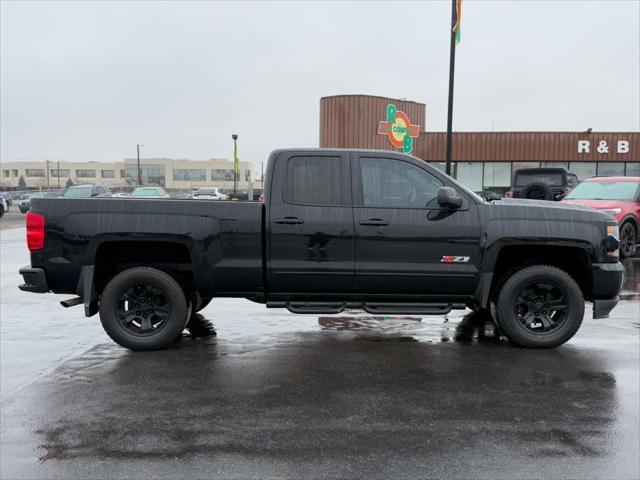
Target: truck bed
x,y
222,241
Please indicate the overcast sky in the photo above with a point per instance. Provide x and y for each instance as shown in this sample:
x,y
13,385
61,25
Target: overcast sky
x,y
87,81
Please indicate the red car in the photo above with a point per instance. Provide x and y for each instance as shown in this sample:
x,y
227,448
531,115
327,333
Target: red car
x,y
619,196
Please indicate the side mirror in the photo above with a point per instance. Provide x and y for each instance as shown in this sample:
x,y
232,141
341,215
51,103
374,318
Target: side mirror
x,y
448,197
94,194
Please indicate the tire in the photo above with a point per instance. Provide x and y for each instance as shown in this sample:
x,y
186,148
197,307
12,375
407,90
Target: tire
x,y
1,211
628,238
524,308
143,308
537,191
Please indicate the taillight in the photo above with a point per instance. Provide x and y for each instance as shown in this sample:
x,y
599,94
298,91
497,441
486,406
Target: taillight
x,y
509,194
35,231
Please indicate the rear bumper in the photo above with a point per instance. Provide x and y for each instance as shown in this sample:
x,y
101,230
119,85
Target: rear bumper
x,y
607,281
35,280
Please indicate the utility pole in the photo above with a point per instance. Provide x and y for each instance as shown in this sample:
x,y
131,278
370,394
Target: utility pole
x,y
48,173
452,63
58,174
262,175
235,164
139,171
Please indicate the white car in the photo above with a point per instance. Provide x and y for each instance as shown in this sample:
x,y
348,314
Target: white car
x,y
209,194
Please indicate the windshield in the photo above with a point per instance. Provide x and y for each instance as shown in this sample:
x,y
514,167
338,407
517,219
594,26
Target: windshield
x,y
550,178
77,192
604,191
145,192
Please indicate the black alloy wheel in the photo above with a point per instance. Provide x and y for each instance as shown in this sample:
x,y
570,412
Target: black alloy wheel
x,y
143,308
628,237
541,307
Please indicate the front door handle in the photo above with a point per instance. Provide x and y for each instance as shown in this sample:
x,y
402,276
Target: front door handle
x,y
374,222
289,220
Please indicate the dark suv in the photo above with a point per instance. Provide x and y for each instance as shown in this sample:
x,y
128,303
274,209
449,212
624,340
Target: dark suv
x,y
542,183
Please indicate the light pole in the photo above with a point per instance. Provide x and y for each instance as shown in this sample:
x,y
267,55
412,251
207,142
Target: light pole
x,y
262,175
48,173
139,171
235,163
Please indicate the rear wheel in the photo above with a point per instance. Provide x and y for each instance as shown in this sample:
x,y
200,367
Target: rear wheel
x,y
540,307
628,237
143,309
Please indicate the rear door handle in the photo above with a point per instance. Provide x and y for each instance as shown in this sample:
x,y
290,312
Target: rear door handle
x,y
374,222
289,220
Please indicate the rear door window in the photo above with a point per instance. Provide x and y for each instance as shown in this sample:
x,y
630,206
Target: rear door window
x,y
313,180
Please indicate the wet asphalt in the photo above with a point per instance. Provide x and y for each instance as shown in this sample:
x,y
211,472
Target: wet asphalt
x,y
286,396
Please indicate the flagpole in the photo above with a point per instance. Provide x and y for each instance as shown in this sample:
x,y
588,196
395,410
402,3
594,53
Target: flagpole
x,y
452,63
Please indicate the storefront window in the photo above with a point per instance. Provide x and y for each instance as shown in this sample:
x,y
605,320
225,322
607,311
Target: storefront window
x,y
610,169
443,167
583,170
564,165
497,174
470,175
633,169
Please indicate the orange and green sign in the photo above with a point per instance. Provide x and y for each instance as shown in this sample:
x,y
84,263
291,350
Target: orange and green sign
x,y
399,129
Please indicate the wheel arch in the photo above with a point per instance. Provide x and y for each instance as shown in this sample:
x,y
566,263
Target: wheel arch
x,y
572,259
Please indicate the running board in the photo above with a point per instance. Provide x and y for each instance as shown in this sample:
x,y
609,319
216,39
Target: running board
x,y
411,308
369,307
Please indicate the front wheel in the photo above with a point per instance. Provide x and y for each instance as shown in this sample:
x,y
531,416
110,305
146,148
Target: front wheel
x,y
628,237
540,307
143,309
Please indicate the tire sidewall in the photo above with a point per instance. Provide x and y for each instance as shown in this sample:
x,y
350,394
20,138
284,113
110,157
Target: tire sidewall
x,y
178,308
515,331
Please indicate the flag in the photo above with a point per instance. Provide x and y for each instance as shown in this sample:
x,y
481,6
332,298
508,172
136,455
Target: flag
x,y
235,160
456,27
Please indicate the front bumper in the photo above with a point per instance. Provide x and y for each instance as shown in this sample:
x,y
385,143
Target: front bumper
x,y
35,280
607,281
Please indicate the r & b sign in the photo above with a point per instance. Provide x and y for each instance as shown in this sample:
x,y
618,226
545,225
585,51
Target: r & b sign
x,y
621,146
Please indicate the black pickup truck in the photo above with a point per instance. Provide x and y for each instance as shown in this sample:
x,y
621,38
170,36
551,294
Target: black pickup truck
x,y
338,229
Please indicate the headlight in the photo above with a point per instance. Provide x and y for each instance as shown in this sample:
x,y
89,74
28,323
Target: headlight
x,y
612,211
613,241
614,231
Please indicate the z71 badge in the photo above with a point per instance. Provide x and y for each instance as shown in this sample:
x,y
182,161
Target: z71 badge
x,y
454,259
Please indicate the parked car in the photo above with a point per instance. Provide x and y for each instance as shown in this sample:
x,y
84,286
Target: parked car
x,y
87,191
542,183
150,192
397,236
209,194
25,205
3,206
619,196
8,199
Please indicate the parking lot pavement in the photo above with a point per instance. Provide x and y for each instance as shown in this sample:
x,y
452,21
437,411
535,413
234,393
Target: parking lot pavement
x,y
278,395
12,219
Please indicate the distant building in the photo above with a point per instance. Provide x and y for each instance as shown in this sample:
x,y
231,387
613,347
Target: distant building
x,y
480,160
170,173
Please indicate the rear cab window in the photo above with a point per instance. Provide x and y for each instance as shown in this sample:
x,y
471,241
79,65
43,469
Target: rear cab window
x,y
314,180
